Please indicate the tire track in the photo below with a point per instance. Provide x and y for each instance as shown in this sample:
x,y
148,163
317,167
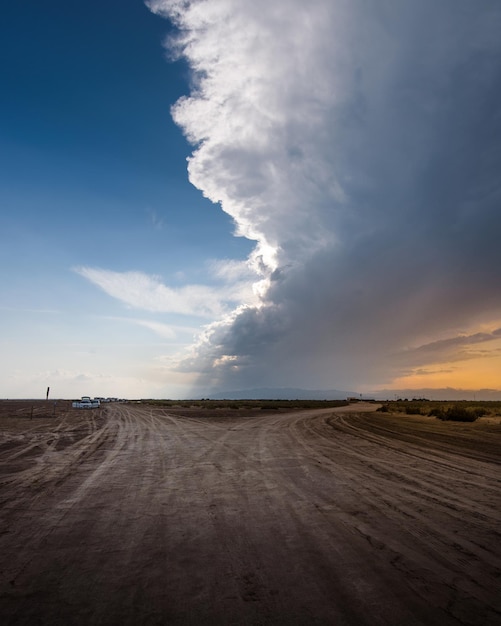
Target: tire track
x,y
318,517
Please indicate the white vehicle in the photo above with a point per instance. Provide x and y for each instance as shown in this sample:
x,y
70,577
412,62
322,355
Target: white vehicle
x,y
86,403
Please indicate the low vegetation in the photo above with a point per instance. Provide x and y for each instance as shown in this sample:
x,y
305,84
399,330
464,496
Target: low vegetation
x,y
465,411
236,405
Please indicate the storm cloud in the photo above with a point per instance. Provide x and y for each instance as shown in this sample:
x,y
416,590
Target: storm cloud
x,y
359,145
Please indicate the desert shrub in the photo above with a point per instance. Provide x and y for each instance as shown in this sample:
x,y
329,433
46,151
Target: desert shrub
x,y
383,408
458,413
413,409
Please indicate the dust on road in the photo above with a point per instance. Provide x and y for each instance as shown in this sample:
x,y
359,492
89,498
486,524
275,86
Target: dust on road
x,y
132,515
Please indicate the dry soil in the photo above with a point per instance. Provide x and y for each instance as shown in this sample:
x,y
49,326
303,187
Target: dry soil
x,y
134,515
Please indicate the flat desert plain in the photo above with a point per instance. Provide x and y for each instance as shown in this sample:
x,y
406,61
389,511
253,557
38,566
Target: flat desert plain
x,y
135,515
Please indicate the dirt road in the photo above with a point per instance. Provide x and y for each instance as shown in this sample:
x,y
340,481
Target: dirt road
x,y
137,516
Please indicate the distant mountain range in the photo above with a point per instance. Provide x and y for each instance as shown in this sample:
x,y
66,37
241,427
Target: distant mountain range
x,y
283,393
294,393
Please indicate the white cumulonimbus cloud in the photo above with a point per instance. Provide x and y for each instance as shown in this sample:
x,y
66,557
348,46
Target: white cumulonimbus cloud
x,y
358,145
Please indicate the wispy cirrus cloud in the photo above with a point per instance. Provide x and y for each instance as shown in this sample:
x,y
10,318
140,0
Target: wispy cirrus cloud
x,y
454,347
149,293
155,219
170,332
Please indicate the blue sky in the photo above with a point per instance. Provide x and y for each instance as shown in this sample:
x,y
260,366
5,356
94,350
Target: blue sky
x,y
354,150
93,173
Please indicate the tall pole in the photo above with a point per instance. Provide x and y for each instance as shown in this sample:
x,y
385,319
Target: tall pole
x,y
47,396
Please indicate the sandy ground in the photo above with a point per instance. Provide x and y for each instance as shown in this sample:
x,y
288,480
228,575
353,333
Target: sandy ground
x,y
132,515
